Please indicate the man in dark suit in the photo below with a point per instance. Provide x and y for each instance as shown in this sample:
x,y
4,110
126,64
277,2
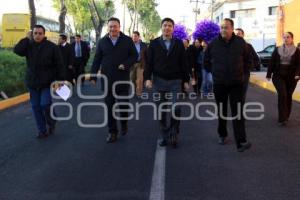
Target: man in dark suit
x,y
82,55
115,54
68,57
227,57
166,66
136,74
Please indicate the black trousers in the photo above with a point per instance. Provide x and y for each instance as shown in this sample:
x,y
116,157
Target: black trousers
x,y
285,87
79,66
235,94
110,100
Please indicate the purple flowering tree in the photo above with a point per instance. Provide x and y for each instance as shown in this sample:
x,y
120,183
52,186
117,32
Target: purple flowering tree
x,y
206,30
180,32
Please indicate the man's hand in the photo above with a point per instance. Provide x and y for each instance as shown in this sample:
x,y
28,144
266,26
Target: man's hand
x,y
186,86
268,79
57,85
121,67
70,67
148,84
29,35
297,77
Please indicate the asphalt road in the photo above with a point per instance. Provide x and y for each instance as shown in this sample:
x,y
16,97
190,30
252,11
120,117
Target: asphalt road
x,y
77,164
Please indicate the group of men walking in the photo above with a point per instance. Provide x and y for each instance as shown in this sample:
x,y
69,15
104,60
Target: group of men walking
x,y
163,66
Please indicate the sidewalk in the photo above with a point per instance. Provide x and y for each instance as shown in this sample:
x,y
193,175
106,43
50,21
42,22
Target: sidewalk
x,y
259,79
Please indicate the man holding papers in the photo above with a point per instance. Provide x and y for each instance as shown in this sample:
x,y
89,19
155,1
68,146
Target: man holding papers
x,y
44,65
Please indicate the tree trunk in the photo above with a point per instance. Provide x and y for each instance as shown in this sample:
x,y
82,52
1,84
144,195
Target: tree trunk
x,y
32,14
62,16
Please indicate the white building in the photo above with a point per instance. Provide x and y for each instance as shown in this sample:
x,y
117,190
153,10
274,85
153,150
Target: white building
x,y
257,18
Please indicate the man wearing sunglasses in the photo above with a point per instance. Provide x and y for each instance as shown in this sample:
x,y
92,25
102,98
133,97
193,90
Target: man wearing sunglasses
x,y
44,65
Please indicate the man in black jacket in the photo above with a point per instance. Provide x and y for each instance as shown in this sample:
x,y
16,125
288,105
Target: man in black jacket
x,y
166,66
82,55
115,54
227,58
67,52
44,65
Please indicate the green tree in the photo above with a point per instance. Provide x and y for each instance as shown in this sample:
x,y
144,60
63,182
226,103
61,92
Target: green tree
x,y
101,11
79,10
145,13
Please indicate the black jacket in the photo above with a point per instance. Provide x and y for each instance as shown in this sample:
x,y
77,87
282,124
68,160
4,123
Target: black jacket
x,y
228,61
274,66
44,62
109,57
168,65
85,51
68,54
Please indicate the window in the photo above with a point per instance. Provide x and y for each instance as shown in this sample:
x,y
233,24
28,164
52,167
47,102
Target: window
x,y
272,10
232,14
242,13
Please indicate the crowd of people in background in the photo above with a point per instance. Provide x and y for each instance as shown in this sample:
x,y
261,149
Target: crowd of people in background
x,y
168,66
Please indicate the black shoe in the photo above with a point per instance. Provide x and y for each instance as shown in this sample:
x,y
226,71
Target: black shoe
x,y
163,143
223,140
111,138
244,146
41,135
282,124
124,129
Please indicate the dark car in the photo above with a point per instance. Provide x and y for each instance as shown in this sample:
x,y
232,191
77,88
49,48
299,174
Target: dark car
x,y
265,55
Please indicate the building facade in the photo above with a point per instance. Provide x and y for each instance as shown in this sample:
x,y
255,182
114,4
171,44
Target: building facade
x,y
258,18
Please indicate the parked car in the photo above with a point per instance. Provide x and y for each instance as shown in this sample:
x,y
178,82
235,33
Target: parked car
x,y
265,55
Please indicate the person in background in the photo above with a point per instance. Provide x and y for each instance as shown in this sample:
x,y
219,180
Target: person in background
x,y
166,67
255,64
82,55
196,63
189,57
207,82
68,57
44,66
284,70
227,57
137,71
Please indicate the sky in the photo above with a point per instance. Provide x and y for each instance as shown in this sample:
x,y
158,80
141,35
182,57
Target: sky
x,y
179,10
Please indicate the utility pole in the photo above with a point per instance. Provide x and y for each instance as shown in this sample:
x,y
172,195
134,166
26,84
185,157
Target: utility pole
x,y
196,10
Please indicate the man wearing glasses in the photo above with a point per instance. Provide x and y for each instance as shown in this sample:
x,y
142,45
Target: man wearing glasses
x,y
44,65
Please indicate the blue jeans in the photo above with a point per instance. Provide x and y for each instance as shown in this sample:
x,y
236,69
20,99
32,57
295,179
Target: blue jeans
x,y
207,82
166,88
41,101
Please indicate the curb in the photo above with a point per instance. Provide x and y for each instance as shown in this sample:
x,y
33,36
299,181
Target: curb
x,y
268,85
7,103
